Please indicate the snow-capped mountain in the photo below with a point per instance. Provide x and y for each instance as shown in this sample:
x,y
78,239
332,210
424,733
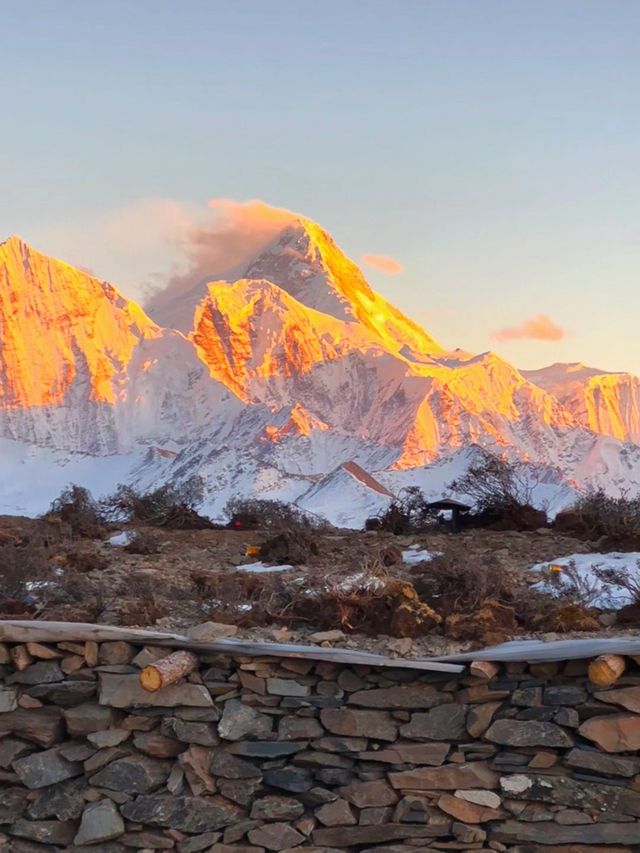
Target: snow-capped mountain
x,y
294,380
604,402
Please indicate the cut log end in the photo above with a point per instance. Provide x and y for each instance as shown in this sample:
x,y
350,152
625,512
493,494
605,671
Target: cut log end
x,y
168,670
484,669
606,670
150,679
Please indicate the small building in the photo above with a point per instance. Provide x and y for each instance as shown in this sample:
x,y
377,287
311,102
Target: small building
x,y
456,508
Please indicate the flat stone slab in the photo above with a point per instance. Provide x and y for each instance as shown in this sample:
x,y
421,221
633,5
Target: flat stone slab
x,y
41,769
528,733
125,691
188,814
446,778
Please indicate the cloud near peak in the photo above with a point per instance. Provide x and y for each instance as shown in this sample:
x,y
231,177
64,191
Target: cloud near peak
x,y
383,263
538,328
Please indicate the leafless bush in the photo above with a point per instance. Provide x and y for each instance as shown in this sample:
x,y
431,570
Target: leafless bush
x,y
254,514
599,516
76,508
138,602
85,560
166,506
451,585
629,581
575,587
24,569
142,542
408,513
366,599
502,494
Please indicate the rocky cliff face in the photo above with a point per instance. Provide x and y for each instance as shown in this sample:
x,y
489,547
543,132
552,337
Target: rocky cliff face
x,y
605,403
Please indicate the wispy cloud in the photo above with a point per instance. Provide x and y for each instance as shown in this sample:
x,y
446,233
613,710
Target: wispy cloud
x,y
220,244
383,263
538,328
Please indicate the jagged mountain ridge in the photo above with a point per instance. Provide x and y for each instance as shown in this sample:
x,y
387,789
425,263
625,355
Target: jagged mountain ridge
x,y
84,369
284,374
602,401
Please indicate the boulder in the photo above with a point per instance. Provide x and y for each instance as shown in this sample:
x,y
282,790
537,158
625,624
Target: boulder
x,y
467,812
605,765
41,725
88,718
553,834
576,793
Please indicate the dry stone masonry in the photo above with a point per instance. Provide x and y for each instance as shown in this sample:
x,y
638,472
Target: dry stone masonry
x,y
249,755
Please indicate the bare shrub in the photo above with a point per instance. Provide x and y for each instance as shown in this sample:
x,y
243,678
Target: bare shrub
x,y
142,542
243,598
25,571
452,585
76,508
502,494
85,560
629,581
408,513
366,600
167,506
615,521
255,514
289,546
138,602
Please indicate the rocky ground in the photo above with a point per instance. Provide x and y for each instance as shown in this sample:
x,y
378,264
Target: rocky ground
x,y
185,577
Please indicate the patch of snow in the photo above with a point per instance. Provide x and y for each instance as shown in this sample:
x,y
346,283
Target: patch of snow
x,y
120,539
586,575
260,568
415,554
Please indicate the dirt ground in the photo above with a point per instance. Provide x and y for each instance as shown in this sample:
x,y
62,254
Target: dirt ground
x,y
164,589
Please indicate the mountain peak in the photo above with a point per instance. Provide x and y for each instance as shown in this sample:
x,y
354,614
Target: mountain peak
x,y
306,262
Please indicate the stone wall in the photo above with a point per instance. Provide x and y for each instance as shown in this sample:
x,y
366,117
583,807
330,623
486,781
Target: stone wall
x,y
266,754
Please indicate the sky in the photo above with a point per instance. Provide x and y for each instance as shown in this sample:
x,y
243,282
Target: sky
x,y
479,158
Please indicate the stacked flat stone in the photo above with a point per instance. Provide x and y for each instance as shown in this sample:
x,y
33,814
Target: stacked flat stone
x,y
280,754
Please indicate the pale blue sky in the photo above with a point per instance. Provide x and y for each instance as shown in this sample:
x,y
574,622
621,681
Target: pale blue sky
x,y
491,146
